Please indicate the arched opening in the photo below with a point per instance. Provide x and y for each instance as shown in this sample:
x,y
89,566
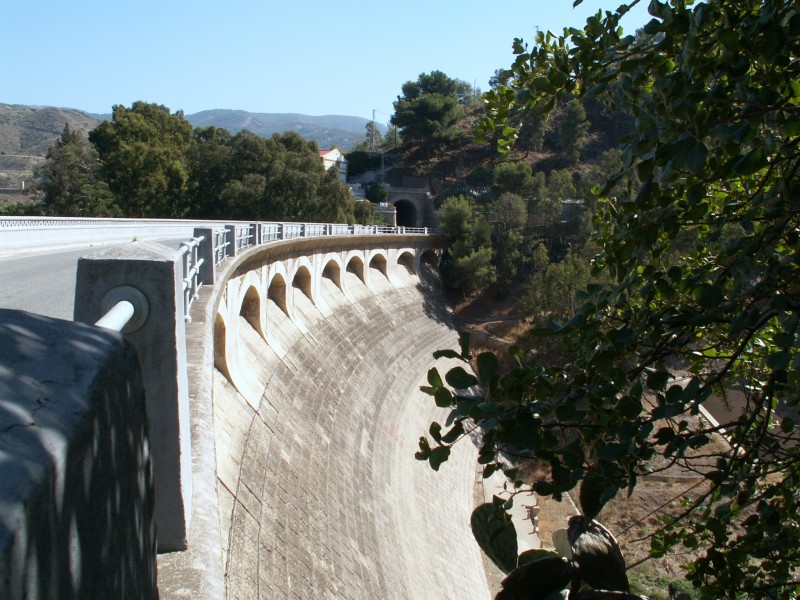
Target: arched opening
x,y
406,213
220,358
378,263
277,292
302,282
429,258
356,266
406,260
429,265
251,308
333,272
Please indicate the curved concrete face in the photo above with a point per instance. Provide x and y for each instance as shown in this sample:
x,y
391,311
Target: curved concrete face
x,y
320,494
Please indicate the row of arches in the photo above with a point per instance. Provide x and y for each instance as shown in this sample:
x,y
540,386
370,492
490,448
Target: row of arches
x,y
293,287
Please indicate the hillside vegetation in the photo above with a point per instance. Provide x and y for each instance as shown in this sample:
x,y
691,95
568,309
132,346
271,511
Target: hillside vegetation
x,y
691,296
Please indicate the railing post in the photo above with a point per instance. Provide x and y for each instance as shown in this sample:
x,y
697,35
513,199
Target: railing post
x,y
205,252
160,344
232,249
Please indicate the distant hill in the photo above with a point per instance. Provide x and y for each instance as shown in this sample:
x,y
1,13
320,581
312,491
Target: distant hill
x,y
31,130
327,131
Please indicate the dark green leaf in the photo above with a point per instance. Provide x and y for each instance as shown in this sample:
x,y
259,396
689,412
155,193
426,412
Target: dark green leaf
x,y
531,555
752,162
455,432
443,397
424,449
435,379
496,536
463,342
709,296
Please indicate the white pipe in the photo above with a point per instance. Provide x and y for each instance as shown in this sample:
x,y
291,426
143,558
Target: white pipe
x,y
119,316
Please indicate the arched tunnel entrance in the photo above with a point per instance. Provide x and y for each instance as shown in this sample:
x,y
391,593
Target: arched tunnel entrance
x,y
406,213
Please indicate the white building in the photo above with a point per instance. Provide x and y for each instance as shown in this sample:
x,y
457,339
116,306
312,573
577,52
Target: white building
x,y
334,158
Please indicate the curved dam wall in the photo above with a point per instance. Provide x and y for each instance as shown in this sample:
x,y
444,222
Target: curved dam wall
x,y
315,414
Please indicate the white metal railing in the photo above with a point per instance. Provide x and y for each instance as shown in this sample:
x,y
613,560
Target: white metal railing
x,y
191,269
289,231
83,222
250,234
269,232
244,236
227,239
221,244
314,230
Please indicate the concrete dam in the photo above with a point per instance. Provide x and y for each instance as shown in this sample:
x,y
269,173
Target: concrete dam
x,y
305,359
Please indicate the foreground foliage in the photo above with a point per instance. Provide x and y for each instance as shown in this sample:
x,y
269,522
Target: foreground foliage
x,y
704,292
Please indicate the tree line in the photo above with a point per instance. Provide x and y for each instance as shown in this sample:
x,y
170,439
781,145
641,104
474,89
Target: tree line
x,y
149,162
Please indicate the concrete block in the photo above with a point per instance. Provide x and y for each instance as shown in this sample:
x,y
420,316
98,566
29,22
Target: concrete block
x,y
161,344
76,488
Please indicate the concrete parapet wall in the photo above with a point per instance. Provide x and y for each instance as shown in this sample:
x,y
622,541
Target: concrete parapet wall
x,y
25,233
76,487
154,271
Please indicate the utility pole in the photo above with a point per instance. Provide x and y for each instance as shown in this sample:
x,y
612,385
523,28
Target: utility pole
x,y
372,132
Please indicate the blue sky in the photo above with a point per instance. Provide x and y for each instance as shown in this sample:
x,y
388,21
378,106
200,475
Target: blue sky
x,y
302,56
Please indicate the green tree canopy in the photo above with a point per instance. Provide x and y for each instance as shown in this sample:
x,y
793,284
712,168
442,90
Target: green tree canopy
x,y
470,250
209,160
429,110
143,155
513,177
248,177
509,211
703,296
572,130
70,180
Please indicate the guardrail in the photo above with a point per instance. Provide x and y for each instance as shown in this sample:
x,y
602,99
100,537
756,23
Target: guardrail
x,y
230,239
226,239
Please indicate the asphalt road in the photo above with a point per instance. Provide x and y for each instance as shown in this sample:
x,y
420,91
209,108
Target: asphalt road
x,y
43,282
